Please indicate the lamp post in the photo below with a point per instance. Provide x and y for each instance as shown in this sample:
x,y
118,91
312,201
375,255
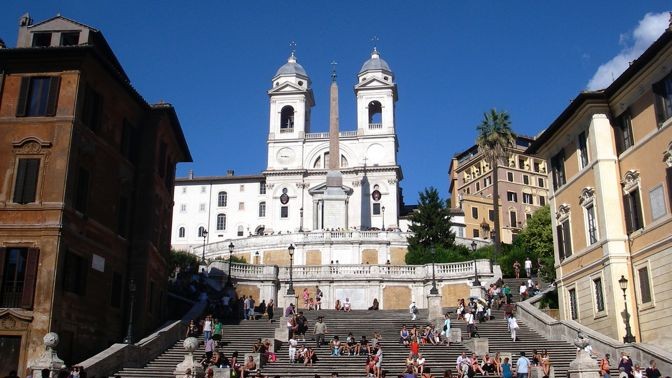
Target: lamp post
x,y
629,337
383,208
228,278
204,234
476,281
290,289
129,332
433,290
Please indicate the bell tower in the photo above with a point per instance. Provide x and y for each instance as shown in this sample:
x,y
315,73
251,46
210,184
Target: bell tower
x,y
376,96
291,98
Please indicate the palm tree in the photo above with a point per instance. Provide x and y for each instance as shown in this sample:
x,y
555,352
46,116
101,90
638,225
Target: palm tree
x,y
494,139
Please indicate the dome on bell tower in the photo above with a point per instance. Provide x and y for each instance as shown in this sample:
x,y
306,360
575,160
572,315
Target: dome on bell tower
x,y
376,63
291,68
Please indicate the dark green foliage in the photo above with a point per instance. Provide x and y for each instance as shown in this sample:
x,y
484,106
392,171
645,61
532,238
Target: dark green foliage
x,y
235,259
430,225
549,300
537,238
183,259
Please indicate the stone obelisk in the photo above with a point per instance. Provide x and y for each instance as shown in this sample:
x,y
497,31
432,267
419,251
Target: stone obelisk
x,y
335,212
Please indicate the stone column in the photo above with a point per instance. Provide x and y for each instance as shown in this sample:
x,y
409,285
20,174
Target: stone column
x,y
49,359
190,345
583,367
435,312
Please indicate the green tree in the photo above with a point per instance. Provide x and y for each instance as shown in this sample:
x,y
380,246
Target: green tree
x,y
430,225
537,239
182,259
494,139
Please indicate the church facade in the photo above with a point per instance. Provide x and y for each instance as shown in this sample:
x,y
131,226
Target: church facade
x,y
290,195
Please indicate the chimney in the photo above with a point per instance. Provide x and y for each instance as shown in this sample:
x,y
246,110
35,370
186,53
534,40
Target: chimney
x,y
190,174
229,172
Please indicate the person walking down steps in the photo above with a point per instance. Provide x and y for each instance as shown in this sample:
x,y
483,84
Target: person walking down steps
x,y
413,309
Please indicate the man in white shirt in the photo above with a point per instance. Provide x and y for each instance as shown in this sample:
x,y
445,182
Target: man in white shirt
x,y
413,309
471,328
528,267
523,291
522,366
458,365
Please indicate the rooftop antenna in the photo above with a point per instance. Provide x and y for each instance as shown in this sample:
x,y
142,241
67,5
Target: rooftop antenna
x,y
333,70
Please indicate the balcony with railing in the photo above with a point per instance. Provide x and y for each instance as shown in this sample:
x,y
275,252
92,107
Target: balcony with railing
x,y
375,126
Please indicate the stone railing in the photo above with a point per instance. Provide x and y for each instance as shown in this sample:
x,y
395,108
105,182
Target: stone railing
x,y
118,356
325,135
254,243
567,330
345,272
375,126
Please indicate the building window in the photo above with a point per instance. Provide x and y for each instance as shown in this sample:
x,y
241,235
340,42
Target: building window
x,y
564,240
201,207
201,232
184,190
591,224
528,216
526,179
476,233
74,273
468,190
181,232
70,38
542,201
487,181
241,206
183,208
663,92
25,184
222,199
240,231
284,211
287,119
527,198
262,209
623,132
376,208
203,189
92,112
474,212
242,188
537,167
18,271
117,289
82,193
513,218
512,196
558,169
583,150
491,215
657,202
521,163
633,211
509,176
262,188
644,286
573,306
38,96
221,222
540,182
478,186
41,39
599,294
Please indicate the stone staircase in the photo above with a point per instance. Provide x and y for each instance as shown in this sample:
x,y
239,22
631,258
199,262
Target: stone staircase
x,y
239,337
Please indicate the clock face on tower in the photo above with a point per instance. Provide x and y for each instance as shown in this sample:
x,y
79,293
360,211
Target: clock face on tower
x,y
285,156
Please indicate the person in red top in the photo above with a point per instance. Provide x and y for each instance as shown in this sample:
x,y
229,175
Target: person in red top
x,y
414,347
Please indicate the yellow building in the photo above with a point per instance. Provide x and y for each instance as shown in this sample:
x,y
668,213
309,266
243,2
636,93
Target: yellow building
x,y
610,168
523,188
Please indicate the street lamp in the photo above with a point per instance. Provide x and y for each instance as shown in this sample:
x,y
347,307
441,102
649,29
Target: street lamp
x,y
629,337
129,332
290,289
383,208
228,278
204,234
476,283
433,290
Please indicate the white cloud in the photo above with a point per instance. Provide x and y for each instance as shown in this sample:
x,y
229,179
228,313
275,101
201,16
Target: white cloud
x,y
649,29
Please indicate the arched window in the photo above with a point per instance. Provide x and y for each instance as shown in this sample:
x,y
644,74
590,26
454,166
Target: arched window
x,y
221,222
318,162
287,119
344,161
221,199
181,232
326,160
240,230
200,231
375,113
262,209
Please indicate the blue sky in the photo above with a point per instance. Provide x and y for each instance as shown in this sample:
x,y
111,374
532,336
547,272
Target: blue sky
x,y
453,60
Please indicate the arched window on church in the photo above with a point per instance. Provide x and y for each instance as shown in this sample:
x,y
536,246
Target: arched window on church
x,y
375,115
318,162
326,160
287,119
201,231
240,230
221,222
262,209
344,161
181,232
221,199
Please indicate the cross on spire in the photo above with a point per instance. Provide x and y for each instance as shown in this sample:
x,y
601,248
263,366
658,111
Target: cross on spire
x,y
333,70
292,46
374,41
